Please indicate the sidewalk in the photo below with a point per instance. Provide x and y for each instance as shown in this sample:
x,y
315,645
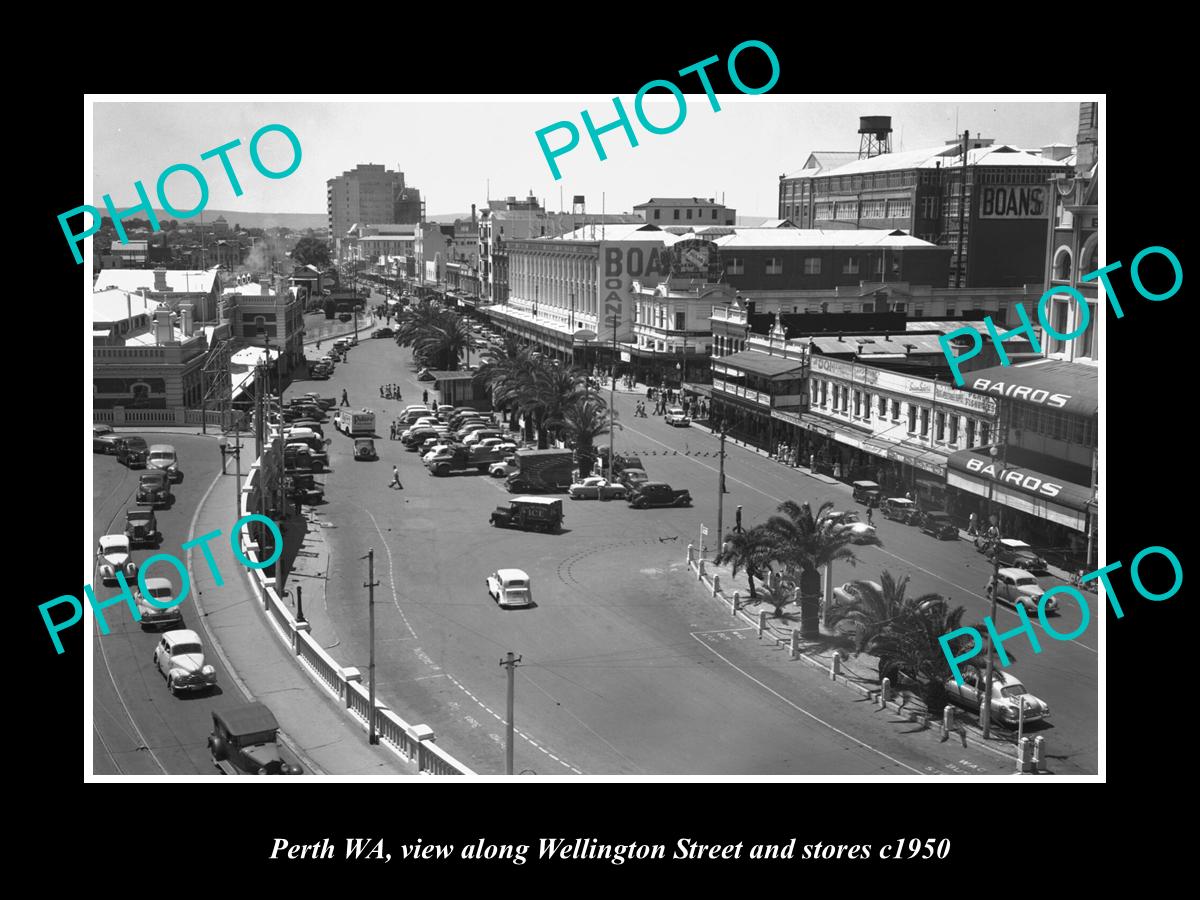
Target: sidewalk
x,y
326,739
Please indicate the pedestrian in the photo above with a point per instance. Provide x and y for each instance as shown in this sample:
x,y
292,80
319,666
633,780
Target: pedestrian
x,y
318,345
870,513
345,399
837,470
425,397
396,478
381,391
973,526
908,495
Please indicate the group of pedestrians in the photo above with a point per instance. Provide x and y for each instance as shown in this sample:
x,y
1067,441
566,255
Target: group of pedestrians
x,y
390,392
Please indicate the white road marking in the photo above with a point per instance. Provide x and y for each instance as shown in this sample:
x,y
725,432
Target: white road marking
x,y
391,575
799,709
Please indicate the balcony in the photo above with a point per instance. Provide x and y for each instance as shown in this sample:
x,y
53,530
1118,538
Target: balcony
x,y
728,314
737,390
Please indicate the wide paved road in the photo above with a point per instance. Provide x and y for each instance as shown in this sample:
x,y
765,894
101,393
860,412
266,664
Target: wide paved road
x,y
138,727
627,667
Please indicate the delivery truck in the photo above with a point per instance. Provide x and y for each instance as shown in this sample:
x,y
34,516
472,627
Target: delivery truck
x,y
460,458
355,422
541,470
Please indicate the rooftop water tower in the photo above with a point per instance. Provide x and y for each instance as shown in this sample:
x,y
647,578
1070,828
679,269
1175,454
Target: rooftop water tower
x,y
875,136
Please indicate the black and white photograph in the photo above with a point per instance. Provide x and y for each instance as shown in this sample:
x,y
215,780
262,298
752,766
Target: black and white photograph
x,y
684,435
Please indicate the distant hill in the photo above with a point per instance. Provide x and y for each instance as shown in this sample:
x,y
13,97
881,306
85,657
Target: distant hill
x,y
448,218
296,221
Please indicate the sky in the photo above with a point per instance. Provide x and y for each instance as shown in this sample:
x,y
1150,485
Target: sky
x,y
450,147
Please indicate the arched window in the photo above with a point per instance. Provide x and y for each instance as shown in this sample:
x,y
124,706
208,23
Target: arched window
x,y
1088,254
140,395
1062,264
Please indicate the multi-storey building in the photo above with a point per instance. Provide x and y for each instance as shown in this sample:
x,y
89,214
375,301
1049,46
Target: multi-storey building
x,y
368,194
693,211
267,314
172,287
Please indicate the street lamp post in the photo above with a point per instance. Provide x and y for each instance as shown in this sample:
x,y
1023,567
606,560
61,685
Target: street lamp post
x,y
986,713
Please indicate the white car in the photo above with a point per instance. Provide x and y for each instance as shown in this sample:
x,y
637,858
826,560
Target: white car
x,y
676,416
113,553
510,587
1008,696
437,451
840,522
179,658
163,456
1018,586
160,589
597,488
503,469
848,592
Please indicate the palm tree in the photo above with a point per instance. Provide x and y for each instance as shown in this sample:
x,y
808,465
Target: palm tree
x,y
585,418
444,339
873,609
504,373
779,592
551,388
806,544
752,550
908,646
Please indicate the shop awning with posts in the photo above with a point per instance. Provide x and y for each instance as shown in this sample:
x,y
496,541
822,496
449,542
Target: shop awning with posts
x,y
843,432
1055,384
1037,493
761,364
923,458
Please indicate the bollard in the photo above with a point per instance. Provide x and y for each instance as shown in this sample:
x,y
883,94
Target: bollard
x,y
885,692
737,601
1039,754
795,643
1024,756
700,569
716,589
762,622
835,664
690,551
947,722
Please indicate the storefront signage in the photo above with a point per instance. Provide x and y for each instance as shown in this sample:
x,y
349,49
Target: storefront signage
x,y
954,397
1012,201
696,259
1030,482
620,264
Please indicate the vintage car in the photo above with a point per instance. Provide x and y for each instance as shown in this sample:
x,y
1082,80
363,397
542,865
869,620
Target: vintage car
x,y
597,488
860,532
529,514
323,402
632,478
319,372
179,658
899,509
132,451
676,416
621,463
160,590
141,527
299,456
104,439
245,741
510,587
382,333
303,487
154,488
658,493
867,492
503,469
364,448
1008,696
849,592
112,553
164,458
425,375
1017,553
938,523
1013,586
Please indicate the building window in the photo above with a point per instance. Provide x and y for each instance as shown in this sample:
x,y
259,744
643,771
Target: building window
x,y
984,431
882,407
924,423
912,419
824,394
941,427
658,214
735,266
689,212
899,307
679,321
954,429
868,307
812,265
857,404
714,214
846,400
676,215
895,411
970,433
774,265
1062,264
850,265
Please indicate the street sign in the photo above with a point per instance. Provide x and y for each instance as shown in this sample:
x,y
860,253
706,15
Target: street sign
x,y
704,530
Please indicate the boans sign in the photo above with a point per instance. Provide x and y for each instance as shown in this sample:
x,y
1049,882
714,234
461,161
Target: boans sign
x,y
648,262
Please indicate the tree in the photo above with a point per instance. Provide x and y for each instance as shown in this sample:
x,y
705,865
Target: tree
x,y
752,550
584,418
444,339
550,388
874,609
778,591
806,544
310,251
504,373
330,308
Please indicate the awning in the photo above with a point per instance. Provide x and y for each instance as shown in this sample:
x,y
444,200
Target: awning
x,y
842,432
759,364
704,390
1051,384
919,457
1045,496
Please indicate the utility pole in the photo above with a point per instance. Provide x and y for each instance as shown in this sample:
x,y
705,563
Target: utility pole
x,y
721,496
986,713
510,663
612,398
962,206
370,586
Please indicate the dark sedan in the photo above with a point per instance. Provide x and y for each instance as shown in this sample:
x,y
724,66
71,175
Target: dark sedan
x,y
938,523
656,493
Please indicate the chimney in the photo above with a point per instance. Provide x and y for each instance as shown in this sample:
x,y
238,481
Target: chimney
x,y
472,215
163,333
160,279
185,319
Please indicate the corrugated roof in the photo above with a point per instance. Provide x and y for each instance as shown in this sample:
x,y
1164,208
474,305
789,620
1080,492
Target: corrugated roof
x,y
114,305
946,155
879,344
622,231
758,363
817,237
677,201
179,280
824,159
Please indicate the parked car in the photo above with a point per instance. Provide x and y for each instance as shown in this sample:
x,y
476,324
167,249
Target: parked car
x,y
1019,554
132,451
323,402
866,492
320,373
676,416
141,527
597,488
154,488
303,487
849,592
938,523
164,457
112,552
503,469
510,587
104,439
899,509
1018,586
364,448
632,478
155,615
244,741
1008,696
848,520
382,333
179,658
658,493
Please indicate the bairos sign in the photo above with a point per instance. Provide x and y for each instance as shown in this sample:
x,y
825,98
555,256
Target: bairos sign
x,y
1014,476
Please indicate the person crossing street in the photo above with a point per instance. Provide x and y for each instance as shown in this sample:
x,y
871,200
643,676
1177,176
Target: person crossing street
x,y
345,398
396,478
